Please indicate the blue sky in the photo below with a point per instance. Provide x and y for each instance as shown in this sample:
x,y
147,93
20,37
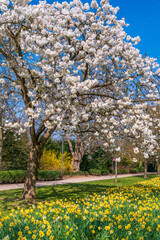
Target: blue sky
x,y
143,17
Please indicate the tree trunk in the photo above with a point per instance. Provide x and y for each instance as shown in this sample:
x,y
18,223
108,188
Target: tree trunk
x,y
115,171
76,162
77,154
30,182
145,168
158,167
1,140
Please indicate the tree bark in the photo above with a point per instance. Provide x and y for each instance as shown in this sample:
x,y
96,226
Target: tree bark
x,y
76,163
145,168
77,154
1,140
115,171
33,163
30,182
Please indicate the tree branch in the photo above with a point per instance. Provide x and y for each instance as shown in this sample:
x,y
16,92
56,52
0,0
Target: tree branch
x,y
70,145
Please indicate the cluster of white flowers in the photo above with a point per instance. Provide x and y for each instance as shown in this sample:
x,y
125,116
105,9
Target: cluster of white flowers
x,y
77,67
134,160
4,5
118,159
2,81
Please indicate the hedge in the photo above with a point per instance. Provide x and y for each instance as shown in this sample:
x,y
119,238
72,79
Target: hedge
x,y
79,173
121,171
95,172
18,176
137,170
104,172
45,175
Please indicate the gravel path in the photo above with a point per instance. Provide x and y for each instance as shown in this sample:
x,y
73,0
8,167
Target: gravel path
x,y
67,180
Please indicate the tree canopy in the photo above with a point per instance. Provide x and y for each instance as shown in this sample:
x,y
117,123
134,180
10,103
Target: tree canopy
x,y
71,66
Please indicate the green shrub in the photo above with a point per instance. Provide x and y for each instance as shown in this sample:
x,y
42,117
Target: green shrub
x,y
125,161
67,173
14,176
134,170
141,169
15,151
18,176
86,173
98,160
104,172
96,172
81,173
137,170
45,175
122,171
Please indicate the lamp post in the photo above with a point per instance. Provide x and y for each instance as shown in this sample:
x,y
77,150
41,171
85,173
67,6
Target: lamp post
x,y
113,165
115,171
116,163
63,136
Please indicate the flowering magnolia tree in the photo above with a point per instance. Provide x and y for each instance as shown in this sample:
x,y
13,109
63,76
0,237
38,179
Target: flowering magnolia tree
x,y
147,140
154,111
1,139
71,66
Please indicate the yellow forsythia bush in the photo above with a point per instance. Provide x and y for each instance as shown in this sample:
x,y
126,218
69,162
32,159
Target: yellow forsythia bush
x,y
51,160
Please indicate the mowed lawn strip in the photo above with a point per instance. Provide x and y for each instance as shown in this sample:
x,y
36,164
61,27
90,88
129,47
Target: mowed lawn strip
x,y
10,199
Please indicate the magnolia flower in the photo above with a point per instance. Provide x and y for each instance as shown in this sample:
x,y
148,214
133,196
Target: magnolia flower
x,y
2,81
136,150
29,111
35,115
94,4
118,149
126,130
5,2
30,94
134,160
145,155
27,124
106,145
118,159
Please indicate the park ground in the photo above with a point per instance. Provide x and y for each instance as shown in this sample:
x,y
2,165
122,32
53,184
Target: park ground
x,y
69,188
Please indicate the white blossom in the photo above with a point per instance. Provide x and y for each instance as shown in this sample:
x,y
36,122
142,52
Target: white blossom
x,y
79,69
136,150
118,159
134,160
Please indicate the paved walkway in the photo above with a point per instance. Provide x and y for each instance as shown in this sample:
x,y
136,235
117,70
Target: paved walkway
x,y
73,179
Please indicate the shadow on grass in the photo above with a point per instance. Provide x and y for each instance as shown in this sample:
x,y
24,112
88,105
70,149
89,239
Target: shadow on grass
x,y
69,191
78,190
11,199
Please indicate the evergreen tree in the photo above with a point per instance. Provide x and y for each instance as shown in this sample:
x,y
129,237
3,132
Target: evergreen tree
x,y
15,151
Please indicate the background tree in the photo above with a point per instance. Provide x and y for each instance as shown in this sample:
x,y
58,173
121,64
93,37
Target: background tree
x,y
15,151
56,144
154,110
98,159
1,138
77,153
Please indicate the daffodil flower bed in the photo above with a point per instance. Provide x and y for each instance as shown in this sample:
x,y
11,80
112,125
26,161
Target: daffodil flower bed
x,y
131,212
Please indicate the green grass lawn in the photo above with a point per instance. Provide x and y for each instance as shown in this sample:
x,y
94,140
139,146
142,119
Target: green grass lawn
x,y
10,199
